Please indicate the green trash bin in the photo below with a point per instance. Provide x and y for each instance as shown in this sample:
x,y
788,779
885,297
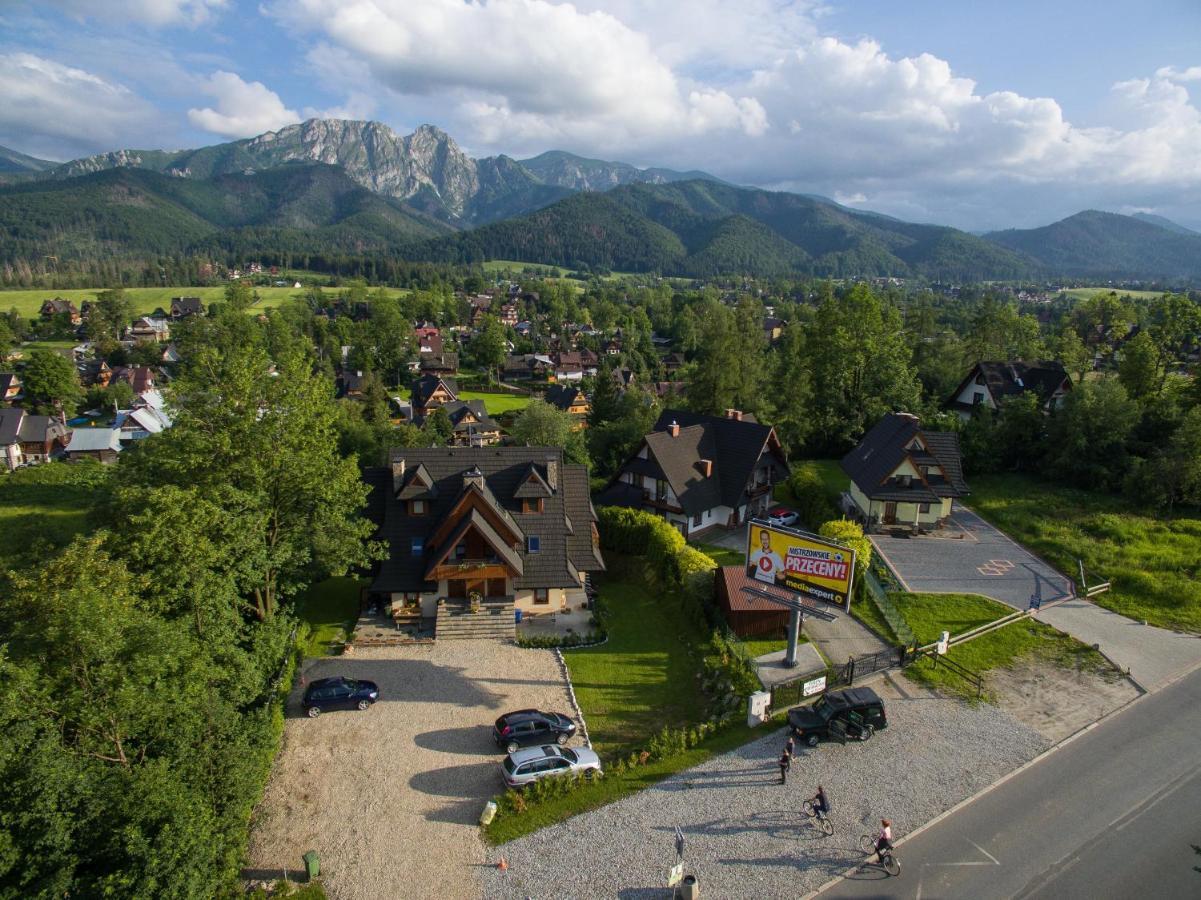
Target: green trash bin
x,y
312,865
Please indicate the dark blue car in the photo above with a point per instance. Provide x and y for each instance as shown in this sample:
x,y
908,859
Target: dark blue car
x,y
338,693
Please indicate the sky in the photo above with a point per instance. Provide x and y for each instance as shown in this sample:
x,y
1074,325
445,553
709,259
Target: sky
x,y
973,114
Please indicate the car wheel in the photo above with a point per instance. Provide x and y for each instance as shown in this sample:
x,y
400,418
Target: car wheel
x,y
363,704
811,740
314,712
562,738
866,732
511,747
592,774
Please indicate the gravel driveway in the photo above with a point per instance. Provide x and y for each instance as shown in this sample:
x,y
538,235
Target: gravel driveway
x,y
743,832
390,797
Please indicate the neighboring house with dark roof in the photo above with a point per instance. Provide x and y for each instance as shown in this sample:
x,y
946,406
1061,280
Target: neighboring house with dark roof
x,y
150,329
508,527
60,307
472,425
571,400
94,443
94,373
186,306
747,614
988,384
439,363
29,439
701,472
10,387
902,476
140,378
350,383
430,392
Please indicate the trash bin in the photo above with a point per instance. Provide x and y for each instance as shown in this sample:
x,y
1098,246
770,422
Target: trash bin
x,y
689,889
517,613
489,813
312,865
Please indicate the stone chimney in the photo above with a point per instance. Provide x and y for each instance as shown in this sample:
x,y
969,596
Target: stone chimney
x,y
707,468
398,474
552,472
473,476
674,429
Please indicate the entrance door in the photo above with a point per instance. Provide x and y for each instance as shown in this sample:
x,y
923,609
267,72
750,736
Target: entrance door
x,y
890,513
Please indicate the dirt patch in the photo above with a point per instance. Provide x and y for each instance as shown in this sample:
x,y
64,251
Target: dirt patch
x,y
390,797
1057,701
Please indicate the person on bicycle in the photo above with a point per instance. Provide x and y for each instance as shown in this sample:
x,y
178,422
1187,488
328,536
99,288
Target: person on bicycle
x,y
821,804
883,839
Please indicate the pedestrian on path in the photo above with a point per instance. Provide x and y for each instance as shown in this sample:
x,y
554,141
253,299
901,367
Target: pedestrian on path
x,y
790,747
785,765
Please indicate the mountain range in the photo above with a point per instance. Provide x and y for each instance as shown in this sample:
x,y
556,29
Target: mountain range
x,y
347,187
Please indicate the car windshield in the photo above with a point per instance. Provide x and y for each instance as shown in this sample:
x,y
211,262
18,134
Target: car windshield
x,y
568,755
823,708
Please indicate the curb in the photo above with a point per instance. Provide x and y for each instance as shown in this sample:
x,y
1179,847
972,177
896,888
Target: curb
x,y
575,704
967,801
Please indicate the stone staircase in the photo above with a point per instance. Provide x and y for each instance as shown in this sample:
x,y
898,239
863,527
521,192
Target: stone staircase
x,y
493,621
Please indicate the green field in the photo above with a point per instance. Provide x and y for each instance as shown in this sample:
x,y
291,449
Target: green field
x,y
147,300
1153,563
45,506
330,608
1089,292
497,404
723,556
644,677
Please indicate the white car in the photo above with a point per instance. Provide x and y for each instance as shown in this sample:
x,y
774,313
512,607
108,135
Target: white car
x,y
523,767
781,515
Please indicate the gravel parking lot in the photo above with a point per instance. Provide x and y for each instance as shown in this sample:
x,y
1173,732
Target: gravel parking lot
x,y
390,797
745,836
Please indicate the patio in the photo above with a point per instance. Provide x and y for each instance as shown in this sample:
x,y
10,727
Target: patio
x,y
559,623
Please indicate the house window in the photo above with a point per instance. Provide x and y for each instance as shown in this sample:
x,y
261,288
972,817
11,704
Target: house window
x,y
533,544
660,489
417,547
977,398
980,378
460,550
923,508
696,520
541,596
416,507
531,505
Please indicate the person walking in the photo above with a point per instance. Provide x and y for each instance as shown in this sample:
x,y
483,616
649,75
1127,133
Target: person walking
x,y
790,746
785,765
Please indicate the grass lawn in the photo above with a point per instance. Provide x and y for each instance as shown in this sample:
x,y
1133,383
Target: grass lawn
x,y
723,556
46,504
147,300
830,472
1153,563
330,607
498,404
759,647
644,677
866,612
1090,292
929,615
1004,647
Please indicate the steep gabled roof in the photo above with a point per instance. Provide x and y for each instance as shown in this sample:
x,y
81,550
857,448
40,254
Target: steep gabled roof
x,y
424,387
533,485
1009,379
562,396
734,445
477,522
888,444
679,460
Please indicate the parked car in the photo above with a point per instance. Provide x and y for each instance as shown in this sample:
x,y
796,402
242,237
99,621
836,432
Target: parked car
x,y
527,727
338,693
527,766
851,714
782,515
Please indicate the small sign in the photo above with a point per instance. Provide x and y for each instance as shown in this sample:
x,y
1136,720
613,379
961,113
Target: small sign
x,y
675,874
816,686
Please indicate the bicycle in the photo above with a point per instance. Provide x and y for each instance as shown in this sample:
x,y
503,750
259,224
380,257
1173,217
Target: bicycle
x,y
889,862
821,820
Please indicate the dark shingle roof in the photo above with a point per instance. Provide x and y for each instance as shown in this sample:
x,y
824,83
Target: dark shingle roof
x,y
425,386
885,447
563,528
734,446
1008,379
562,396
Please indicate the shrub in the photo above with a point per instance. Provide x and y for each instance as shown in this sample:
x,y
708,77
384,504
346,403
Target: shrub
x,y
810,497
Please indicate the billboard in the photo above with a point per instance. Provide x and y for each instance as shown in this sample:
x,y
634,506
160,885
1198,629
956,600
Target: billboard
x,y
799,562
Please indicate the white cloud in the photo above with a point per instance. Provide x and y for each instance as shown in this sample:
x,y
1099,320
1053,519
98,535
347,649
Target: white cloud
x,y
536,69
59,111
154,13
243,108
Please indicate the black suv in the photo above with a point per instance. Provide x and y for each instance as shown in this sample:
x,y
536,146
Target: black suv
x,y
855,713
335,693
529,726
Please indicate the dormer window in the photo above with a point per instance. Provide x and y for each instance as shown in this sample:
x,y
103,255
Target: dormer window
x,y
532,505
417,508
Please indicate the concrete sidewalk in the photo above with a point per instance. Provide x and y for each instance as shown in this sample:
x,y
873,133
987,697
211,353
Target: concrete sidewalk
x,y
1153,656
843,638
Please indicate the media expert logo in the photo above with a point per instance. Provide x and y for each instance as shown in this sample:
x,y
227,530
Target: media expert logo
x,y
808,565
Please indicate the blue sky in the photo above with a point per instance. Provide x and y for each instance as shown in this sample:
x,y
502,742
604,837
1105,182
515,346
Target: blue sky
x,y
979,115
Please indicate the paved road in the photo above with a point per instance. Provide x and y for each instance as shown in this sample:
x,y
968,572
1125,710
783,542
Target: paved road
x,y
981,560
1112,814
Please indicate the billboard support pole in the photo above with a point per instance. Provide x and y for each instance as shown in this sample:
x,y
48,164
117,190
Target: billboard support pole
x,y
794,630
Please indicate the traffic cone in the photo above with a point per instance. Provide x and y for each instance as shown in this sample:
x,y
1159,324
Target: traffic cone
x,y
502,865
